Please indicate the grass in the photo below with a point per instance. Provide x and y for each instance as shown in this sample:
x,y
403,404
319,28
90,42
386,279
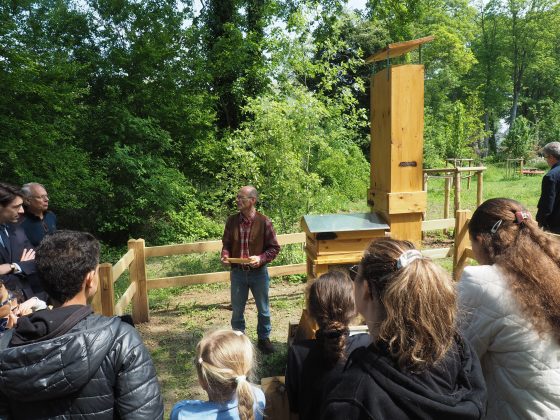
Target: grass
x,y
180,316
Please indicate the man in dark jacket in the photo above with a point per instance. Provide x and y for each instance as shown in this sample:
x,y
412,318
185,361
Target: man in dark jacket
x,y
17,258
548,214
68,362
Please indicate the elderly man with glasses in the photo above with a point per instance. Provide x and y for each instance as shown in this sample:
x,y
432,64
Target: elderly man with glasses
x,y
38,219
548,214
249,244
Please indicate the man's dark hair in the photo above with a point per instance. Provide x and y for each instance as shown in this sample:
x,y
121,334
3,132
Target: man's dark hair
x,y
63,259
8,193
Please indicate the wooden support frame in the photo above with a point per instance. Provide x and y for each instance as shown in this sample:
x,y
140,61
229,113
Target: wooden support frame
x,y
462,242
140,310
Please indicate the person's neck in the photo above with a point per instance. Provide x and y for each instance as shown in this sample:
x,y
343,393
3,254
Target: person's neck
x,y
249,213
79,299
39,213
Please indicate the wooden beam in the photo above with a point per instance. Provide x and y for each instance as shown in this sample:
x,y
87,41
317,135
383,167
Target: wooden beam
x,y
140,308
107,290
398,48
125,299
219,277
436,224
212,246
462,242
123,264
436,253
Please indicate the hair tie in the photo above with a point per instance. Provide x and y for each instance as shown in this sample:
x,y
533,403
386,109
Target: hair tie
x,y
240,378
407,257
521,216
496,226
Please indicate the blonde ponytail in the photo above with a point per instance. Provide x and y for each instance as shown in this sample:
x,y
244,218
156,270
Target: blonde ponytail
x,y
224,361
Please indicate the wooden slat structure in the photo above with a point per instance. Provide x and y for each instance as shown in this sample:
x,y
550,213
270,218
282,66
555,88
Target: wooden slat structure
x,y
397,138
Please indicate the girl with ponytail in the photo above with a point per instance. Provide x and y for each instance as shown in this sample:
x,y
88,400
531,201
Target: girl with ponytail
x,y
511,306
418,366
224,361
313,363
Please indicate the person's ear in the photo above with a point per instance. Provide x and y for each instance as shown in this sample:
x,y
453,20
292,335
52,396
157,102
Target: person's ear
x,y
91,282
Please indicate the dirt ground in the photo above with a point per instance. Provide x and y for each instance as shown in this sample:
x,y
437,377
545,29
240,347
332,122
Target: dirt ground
x,y
173,331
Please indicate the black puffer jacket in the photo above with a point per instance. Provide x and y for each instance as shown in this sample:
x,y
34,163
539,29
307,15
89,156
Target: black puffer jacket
x,y
99,369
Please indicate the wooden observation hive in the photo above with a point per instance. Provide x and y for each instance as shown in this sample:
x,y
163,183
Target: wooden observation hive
x,y
397,127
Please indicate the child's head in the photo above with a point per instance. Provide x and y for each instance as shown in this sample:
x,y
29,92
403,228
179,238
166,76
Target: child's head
x,y
415,301
224,361
331,303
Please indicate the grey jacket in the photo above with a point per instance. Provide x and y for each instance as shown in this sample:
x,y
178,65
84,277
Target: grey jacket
x,y
100,369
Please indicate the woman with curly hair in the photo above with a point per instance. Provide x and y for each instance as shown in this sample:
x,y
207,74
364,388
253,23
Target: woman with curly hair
x,y
418,366
511,303
313,363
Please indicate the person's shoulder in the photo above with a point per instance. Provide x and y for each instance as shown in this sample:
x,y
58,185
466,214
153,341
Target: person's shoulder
x,y
188,409
358,340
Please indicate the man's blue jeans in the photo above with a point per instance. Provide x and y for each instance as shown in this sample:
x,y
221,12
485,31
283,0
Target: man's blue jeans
x,y
258,282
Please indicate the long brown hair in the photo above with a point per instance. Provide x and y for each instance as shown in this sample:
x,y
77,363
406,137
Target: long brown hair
x,y
419,301
224,361
529,257
331,303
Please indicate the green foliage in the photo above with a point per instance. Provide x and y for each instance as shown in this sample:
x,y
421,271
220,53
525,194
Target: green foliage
x,y
520,141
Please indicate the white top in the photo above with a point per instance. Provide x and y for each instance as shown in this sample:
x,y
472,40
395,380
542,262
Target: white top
x,y
521,368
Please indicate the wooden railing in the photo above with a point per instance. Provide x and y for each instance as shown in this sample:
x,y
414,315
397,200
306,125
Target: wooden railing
x,y
135,261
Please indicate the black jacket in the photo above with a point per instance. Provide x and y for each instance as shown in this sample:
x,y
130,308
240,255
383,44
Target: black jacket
x,y
548,214
27,281
99,369
373,387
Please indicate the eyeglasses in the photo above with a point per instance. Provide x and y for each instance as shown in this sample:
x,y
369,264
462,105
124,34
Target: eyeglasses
x,y
353,271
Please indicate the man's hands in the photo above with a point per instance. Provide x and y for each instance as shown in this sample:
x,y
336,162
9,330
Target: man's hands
x,y
5,269
255,261
225,261
28,255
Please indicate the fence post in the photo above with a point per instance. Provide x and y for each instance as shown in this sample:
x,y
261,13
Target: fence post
x,y
462,241
140,310
457,190
446,199
95,303
479,188
106,289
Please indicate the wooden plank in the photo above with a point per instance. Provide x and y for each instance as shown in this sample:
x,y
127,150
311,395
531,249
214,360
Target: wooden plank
x,y
462,241
212,246
439,171
178,281
407,227
469,253
219,277
123,264
407,202
479,184
407,128
286,270
398,48
436,253
342,246
107,290
349,258
140,308
125,299
436,224
179,249
470,168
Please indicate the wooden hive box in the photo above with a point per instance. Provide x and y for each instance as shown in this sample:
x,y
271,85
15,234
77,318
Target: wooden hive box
x,y
338,239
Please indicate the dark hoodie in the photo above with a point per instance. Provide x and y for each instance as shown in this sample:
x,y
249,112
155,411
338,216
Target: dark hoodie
x,y
99,369
373,387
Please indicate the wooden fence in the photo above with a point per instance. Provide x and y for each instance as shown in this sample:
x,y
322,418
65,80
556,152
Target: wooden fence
x,y
135,261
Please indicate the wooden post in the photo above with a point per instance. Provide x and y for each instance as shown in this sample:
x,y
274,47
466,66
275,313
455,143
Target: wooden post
x,y
479,188
107,289
95,303
140,309
457,191
462,241
446,199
